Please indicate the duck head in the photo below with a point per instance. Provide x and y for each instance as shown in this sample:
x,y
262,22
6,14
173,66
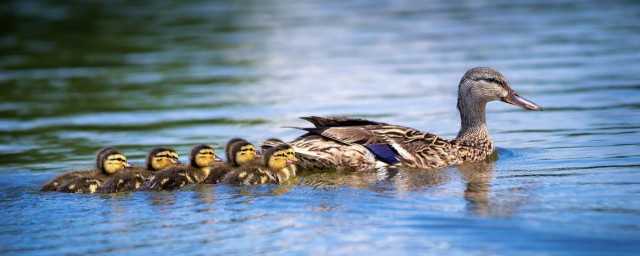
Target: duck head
x,y
276,158
160,158
482,85
241,152
202,156
110,161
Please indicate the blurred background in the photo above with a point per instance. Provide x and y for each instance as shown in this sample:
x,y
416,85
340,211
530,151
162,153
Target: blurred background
x,y
80,75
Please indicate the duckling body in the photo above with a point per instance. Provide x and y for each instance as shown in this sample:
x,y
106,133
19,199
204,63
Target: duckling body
x,y
359,144
109,161
132,179
87,183
273,170
252,174
177,177
60,181
128,180
239,152
201,157
218,171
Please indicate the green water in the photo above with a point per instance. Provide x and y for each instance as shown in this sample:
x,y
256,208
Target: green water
x,y
77,76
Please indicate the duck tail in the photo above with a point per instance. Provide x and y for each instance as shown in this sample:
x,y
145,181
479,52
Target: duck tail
x,y
269,143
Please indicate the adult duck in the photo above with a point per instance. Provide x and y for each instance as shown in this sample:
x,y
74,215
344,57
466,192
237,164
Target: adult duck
x,y
359,144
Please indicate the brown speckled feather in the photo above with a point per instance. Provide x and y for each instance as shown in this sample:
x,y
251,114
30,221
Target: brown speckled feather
x,y
177,177
218,171
250,174
342,147
255,173
86,181
127,180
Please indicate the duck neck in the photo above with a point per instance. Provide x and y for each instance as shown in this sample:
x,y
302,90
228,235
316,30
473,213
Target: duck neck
x,y
473,126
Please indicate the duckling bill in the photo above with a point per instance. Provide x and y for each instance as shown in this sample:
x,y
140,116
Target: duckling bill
x,y
109,161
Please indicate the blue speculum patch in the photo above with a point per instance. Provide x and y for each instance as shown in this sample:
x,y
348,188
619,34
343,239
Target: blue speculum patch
x,y
384,153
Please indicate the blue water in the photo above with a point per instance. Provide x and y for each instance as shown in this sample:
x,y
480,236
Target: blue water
x,y
77,76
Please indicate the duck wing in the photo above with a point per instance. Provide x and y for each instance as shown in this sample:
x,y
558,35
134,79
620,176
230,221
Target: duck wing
x,y
338,121
391,144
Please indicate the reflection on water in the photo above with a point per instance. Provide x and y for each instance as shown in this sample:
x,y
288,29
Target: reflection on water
x,y
78,75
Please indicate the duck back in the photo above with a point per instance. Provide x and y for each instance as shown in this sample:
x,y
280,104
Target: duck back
x,y
177,177
127,180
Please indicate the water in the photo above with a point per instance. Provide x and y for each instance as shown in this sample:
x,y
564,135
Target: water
x,y
77,76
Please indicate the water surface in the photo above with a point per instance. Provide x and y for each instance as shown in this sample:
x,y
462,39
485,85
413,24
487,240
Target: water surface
x,y
77,76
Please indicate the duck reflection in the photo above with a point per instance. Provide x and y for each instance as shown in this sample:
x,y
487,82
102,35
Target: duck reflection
x,y
476,177
478,184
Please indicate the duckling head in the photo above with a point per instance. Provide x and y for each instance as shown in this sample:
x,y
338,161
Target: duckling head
x,y
227,147
111,161
160,158
241,153
104,150
276,158
291,155
202,156
482,84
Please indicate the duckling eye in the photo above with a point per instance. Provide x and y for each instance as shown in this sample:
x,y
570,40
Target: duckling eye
x,y
247,149
163,156
118,159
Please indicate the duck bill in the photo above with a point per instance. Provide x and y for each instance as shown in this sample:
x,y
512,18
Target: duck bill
x,y
295,160
218,160
515,99
289,162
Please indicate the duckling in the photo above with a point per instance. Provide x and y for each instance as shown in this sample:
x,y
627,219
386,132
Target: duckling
x,y
230,143
291,153
273,169
201,157
55,182
239,152
109,161
132,179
